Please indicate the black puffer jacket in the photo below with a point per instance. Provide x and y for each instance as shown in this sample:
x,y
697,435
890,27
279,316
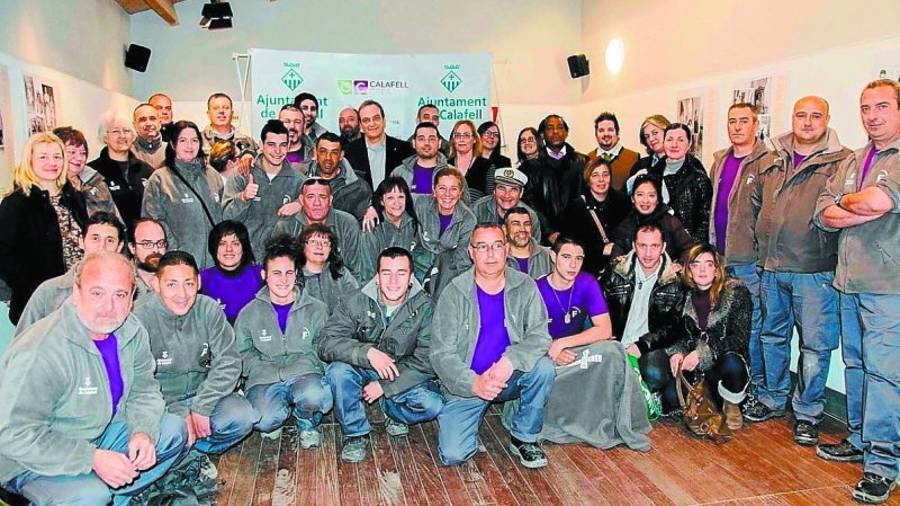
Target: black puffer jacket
x,y
727,327
690,195
676,237
555,184
580,225
31,244
665,309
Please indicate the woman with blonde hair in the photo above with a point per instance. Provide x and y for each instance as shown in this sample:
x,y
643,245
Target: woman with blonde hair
x,y
651,134
716,336
41,219
465,155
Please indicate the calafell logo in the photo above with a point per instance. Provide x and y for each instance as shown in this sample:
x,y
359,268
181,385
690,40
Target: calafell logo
x,y
451,80
292,79
345,86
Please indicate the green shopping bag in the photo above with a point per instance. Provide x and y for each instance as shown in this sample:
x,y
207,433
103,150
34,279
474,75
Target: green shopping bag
x,y
651,402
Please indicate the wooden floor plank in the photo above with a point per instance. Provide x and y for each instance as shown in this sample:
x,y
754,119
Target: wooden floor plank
x,y
227,467
450,476
327,483
284,489
411,477
536,480
245,481
388,485
266,471
427,466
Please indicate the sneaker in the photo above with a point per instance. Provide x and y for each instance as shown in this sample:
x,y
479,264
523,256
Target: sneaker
x,y
840,452
806,433
395,428
272,434
759,412
309,438
873,489
207,470
356,449
531,455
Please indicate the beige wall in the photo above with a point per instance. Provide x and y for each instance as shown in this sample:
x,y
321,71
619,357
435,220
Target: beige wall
x,y
671,41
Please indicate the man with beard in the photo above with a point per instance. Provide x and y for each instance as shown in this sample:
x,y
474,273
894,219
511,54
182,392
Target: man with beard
x,y
508,186
82,420
258,198
308,105
619,158
293,120
563,181
147,244
149,146
163,105
525,254
351,194
102,232
348,123
429,113
418,170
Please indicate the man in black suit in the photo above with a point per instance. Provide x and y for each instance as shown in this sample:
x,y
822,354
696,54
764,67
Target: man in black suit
x,y
376,154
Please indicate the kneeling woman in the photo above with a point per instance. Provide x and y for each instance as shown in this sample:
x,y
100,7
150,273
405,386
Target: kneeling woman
x,y
596,398
324,275
234,280
277,335
717,332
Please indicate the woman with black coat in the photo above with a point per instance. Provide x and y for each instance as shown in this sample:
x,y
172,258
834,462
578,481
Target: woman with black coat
x,y
648,208
686,181
599,203
651,134
716,336
41,219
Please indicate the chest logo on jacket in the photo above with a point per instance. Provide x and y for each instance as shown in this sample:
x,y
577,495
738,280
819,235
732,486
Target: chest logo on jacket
x,y
264,336
286,199
305,334
164,359
88,388
187,199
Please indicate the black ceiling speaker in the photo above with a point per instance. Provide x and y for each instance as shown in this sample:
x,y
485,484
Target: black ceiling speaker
x,y
578,66
137,57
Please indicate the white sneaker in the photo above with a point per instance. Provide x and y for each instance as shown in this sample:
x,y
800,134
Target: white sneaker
x,y
310,438
272,434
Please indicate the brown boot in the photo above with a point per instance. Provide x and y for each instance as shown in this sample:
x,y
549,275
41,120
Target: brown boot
x,y
733,418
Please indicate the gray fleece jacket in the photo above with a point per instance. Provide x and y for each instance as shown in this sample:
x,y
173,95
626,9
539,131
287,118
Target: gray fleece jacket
x,y
325,288
270,355
345,227
261,214
540,263
485,210
441,257
196,357
359,324
56,397
457,322
385,235
351,194
168,199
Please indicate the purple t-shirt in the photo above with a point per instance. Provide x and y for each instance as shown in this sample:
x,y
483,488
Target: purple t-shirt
x,y
726,183
586,301
523,264
492,336
870,157
282,310
233,289
109,351
421,181
798,159
444,222
295,156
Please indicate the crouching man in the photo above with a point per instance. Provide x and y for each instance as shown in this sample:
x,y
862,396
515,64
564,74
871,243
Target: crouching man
x,y
277,334
82,420
490,344
197,362
378,344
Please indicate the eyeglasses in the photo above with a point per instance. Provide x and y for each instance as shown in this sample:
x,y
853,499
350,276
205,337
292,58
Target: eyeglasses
x,y
121,131
319,242
491,134
162,243
462,136
483,247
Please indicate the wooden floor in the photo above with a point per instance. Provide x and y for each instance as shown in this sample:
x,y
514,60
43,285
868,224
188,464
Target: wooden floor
x,y
761,466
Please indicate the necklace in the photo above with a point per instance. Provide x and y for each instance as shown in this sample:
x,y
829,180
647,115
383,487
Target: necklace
x,y
568,307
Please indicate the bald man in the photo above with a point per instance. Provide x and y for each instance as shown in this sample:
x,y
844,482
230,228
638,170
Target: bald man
x,y
798,262
149,145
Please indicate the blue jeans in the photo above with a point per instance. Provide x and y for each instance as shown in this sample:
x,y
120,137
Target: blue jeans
x,y
870,326
89,489
308,395
461,417
231,420
726,379
418,404
810,302
750,276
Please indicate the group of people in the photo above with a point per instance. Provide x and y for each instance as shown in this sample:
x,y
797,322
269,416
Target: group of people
x,y
188,286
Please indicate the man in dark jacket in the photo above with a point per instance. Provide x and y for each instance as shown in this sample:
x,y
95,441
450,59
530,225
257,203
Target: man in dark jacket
x,y
565,181
351,194
644,295
378,344
377,154
124,174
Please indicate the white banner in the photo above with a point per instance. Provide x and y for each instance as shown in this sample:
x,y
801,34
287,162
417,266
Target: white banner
x,y
459,84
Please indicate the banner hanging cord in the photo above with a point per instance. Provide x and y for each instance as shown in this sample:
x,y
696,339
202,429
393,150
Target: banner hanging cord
x,y
243,77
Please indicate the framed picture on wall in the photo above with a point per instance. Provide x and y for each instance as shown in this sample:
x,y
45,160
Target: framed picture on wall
x,y
40,104
7,146
758,92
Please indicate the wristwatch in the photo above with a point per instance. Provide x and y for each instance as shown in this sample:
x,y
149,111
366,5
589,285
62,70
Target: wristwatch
x,y
837,199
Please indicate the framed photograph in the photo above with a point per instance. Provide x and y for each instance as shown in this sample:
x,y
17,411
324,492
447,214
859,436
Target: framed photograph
x,y
40,105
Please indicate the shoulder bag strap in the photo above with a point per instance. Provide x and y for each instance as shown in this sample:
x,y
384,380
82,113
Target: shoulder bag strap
x,y
202,202
596,222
